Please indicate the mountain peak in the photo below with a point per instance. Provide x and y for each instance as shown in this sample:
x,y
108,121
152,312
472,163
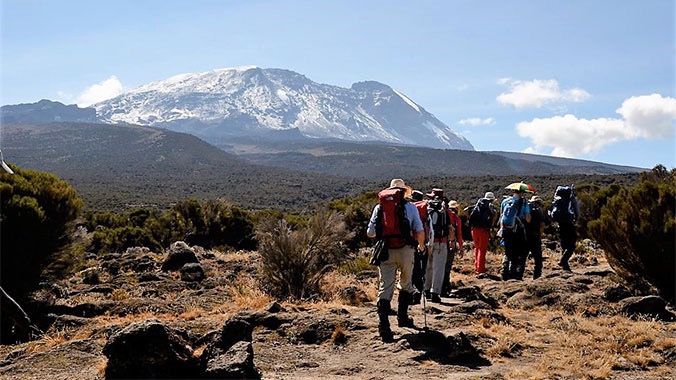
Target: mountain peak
x,y
249,100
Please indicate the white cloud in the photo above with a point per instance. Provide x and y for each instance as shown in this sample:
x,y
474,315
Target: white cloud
x,y
537,93
570,136
650,116
106,89
476,121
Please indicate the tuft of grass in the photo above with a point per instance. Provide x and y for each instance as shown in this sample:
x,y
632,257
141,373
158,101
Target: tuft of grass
x,y
339,336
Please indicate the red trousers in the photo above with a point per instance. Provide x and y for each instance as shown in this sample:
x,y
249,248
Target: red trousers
x,y
480,237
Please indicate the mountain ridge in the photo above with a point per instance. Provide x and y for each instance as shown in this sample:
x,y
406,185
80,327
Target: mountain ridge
x,y
251,100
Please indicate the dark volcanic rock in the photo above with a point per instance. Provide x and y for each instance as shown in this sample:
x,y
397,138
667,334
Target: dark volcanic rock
x,y
149,349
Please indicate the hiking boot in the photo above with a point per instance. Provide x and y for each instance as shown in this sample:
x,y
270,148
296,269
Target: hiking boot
x,y
405,322
417,298
383,322
564,266
428,295
404,301
435,298
385,333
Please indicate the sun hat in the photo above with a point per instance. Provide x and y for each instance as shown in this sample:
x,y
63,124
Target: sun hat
x,y
436,192
417,195
490,195
535,199
453,204
400,184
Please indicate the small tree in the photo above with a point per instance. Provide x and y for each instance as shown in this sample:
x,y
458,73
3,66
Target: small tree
x,y
294,261
38,210
636,230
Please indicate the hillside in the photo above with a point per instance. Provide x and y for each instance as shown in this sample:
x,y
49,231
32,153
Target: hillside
x,y
382,161
116,167
120,167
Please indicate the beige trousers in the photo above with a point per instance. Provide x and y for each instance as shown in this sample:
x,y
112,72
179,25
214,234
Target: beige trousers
x,y
401,258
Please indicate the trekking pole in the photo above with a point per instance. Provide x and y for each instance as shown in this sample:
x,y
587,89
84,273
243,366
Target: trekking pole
x,y
423,295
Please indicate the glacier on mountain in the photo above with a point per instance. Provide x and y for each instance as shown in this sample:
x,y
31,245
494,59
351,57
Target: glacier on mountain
x,y
247,101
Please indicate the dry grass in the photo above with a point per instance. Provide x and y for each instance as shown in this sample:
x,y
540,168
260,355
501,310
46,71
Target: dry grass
x,y
560,345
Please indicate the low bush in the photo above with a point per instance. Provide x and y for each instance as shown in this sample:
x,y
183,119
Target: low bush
x,y
636,230
294,261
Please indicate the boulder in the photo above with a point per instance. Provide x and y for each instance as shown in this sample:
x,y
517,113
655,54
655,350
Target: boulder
x,y
229,353
192,272
178,255
235,363
149,349
648,306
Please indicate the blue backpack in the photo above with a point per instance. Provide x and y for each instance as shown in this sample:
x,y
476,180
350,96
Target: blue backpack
x,y
510,214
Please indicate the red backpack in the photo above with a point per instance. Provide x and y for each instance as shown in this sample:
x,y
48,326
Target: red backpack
x,y
392,224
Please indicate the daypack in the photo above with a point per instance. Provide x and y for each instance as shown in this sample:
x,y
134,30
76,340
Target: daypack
x,y
510,213
424,218
392,224
482,214
563,210
439,217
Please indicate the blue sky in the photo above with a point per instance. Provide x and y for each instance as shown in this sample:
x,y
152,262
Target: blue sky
x,y
586,79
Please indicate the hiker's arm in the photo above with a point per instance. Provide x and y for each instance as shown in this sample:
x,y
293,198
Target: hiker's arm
x,y
371,230
420,237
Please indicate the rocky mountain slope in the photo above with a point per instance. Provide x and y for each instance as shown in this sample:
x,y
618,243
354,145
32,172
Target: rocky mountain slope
x,y
251,100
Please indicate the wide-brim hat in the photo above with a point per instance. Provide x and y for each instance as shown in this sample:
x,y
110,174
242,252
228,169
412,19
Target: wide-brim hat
x,y
535,199
453,204
436,192
417,195
490,195
400,184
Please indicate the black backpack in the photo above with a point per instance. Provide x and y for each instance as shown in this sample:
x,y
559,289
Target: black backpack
x,y
482,214
439,217
563,210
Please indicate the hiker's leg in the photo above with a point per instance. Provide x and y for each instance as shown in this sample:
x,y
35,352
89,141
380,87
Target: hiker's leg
x,y
536,251
438,267
482,235
387,274
508,258
568,240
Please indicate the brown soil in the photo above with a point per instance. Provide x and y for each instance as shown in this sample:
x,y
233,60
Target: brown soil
x,y
559,326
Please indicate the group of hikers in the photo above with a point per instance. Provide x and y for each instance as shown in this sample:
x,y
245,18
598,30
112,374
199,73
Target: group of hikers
x,y
420,238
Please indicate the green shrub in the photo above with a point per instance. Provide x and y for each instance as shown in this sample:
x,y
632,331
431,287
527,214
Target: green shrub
x,y
636,231
38,211
294,261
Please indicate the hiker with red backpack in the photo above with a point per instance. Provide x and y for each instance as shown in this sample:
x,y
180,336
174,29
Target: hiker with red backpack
x,y
396,222
420,263
454,246
444,233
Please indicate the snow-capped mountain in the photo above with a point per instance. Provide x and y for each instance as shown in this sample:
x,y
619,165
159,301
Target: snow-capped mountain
x,y
251,100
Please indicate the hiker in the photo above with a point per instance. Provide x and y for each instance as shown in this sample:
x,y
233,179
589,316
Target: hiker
x,y
455,246
444,233
534,230
420,263
482,218
515,212
564,212
397,222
